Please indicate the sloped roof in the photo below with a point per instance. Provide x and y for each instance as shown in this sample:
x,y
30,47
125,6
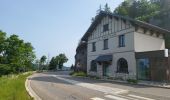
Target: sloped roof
x,y
102,14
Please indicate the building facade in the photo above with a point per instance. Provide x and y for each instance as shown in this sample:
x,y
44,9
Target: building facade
x,y
121,47
81,57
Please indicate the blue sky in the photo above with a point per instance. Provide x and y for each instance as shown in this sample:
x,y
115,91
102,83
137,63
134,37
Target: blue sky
x,y
52,26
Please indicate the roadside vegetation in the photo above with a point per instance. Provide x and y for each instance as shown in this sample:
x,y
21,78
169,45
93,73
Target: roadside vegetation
x,y
83,74
56,63
16,56
12,87
16,59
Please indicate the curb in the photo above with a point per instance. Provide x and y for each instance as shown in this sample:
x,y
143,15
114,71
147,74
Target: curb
x,y
124,82
30,90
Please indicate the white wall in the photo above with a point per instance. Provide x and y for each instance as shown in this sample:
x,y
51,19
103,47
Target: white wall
x,y
148,42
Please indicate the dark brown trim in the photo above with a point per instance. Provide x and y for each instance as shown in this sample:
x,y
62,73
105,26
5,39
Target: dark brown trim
x,y
151,54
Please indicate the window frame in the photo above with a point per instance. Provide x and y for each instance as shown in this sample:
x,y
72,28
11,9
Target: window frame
x,y
105,44
105,27
122,40
93,66
121,69
93,46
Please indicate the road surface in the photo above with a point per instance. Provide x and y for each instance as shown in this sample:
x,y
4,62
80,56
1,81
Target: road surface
x,y
61,86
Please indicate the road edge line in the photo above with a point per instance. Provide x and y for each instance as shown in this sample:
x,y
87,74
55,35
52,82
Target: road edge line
x,y
30,90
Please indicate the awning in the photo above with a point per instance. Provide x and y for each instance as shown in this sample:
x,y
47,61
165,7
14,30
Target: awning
x,y
104,58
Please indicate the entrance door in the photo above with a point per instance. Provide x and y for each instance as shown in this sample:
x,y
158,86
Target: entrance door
x,y
105,69
143,69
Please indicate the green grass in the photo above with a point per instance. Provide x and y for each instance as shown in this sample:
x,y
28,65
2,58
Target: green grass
x,y
12,87
133,81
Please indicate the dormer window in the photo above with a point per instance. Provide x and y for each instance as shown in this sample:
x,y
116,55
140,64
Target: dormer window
x,y
105,27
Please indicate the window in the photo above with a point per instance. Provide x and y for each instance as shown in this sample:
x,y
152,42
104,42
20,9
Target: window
x,y
105,27
93,66
122,66
94,46
122,41
105,44
143,69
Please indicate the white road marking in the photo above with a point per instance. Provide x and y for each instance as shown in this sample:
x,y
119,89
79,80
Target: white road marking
x,y
126,97
100,88
139,97
115,97
96,98
30,90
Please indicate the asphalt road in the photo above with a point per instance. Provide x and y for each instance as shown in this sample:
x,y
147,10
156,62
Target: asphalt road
x,y
61,86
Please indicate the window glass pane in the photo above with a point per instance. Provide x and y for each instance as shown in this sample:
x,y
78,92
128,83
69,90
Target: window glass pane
x,y
106,44
121,40
94,46
93,66
105,27
122,66
143,69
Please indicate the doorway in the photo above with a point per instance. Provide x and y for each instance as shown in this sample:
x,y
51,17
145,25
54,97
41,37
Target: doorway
x,y
105,69
143,69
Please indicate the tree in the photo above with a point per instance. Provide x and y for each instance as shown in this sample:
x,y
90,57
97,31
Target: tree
x,y
15,55
138,9
37,64
28,55
123,8
42,61
2,46
52,64
61,60
72,67
57,62
106,8
99,10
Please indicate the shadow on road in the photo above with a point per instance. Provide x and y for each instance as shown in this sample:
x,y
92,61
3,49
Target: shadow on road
x,y
50,79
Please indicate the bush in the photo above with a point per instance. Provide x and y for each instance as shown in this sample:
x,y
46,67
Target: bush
x,y
132,81
78,74
4,69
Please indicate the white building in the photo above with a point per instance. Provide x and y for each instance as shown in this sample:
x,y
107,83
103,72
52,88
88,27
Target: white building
x,y
115,45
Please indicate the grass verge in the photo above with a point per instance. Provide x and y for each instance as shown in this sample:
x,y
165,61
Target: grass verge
x,y
132,81
12,87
